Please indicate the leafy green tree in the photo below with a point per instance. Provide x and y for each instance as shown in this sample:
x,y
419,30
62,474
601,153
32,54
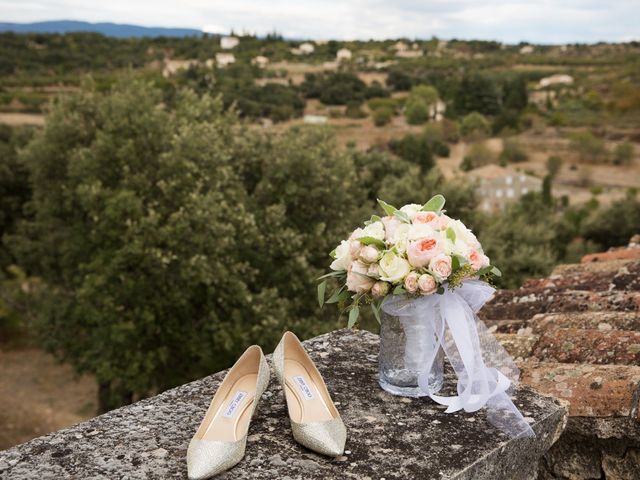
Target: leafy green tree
x,y
399,80
477,93
588,147
382,116
614,225
415,149
417,112
475,126
478,155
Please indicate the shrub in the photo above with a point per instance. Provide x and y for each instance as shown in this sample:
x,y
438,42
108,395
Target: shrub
x,y
590,149
416,112
479,155
512,152
614,225
354,110
623,154
475,126
382,116
378,102
450,130
398,80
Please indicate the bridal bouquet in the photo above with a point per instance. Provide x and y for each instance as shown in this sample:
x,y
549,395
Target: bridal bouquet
x,y
414,250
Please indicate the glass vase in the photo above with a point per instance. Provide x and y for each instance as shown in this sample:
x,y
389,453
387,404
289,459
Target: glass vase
x,y
406,344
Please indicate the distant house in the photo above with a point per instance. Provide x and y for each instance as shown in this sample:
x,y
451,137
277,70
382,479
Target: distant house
x,y
526,50
171,67
315,119
307,48
498,186
260,61
227,43
437,110
558,79
400,47
224,59
409,53
344,54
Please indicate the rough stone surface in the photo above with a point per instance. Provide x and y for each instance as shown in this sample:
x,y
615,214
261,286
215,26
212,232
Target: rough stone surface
x,y
389,437
601,321
519,346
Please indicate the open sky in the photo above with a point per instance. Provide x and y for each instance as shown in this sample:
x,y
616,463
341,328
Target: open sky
x,y
512,21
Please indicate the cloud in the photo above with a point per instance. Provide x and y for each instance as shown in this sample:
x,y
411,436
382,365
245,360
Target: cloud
x,y
542,21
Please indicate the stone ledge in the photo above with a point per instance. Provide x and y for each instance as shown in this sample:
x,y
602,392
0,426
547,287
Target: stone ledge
x,y
390,437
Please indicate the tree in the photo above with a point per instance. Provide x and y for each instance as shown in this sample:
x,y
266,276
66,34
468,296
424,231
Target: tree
x,y
399,80
590,149
614,225
512,152
475,126
415,149
479,155
477,93
382,116
623,154
417,112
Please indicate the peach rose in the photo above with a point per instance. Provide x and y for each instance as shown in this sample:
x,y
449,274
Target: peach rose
x,y
478,259
422,251
380,289
357,279
440,265
411,282
425,217
427,284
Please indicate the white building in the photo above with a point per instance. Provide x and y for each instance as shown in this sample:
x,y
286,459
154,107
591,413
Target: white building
x,y
228,43
307,48
315,119
558,79
344,54
498,186
526,50
260,61
224,59
172,66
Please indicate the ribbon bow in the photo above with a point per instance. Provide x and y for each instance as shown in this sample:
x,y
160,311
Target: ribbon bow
x,y
484,369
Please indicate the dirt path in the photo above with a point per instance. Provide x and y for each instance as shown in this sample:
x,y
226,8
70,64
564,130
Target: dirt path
x,y
16,119
38,396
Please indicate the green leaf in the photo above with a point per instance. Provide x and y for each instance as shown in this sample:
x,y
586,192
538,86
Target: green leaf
x,y
337,273
336,296
484,270
375,218
440,290
496,271
455,263
322,287
376,312
402,216
388,209
451,235
435,204
399,290
353,316
333,253
372,241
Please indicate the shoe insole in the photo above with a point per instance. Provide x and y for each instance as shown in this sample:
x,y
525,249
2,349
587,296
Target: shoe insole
x,y
306,403
231,421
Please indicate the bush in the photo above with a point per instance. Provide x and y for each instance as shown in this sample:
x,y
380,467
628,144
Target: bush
x,y
614,225
479,155
414,149
512,152
416,112
382,116
354,110
376,103
590,149
450,130
623,154
475,126
399,80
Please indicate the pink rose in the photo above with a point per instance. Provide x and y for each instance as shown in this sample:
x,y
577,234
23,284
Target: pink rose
x,y
427,284
478,260
441,222
369,254
357,279
390,225
425,217
440,265
374,270
422,251
411,282
380,289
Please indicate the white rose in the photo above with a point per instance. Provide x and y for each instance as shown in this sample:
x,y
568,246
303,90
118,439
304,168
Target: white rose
x,y
390,225
420,230
357,279
411,209
401,237
369,254
374,270
393,268
375,230
343,257
464,235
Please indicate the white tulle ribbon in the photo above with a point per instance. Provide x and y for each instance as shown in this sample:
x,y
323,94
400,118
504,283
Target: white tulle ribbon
x,y
485,370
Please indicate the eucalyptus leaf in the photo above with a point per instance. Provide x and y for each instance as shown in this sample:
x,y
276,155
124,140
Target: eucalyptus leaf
x,y
451,234
335,297
376,312
496,271
435,204
322,287
399,290
372,241
353,316
338,273
388,209
402,216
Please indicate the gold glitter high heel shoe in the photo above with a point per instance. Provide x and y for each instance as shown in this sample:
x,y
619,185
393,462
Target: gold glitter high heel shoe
x,y
221,439
315,422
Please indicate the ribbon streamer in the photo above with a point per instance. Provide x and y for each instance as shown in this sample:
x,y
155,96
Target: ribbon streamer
x,y
484,369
